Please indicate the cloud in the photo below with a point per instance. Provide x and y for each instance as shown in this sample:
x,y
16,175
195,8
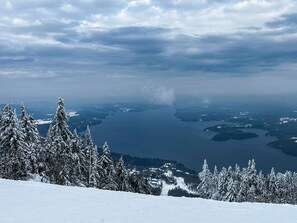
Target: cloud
x,y
285,20
147,39
69,8
159,94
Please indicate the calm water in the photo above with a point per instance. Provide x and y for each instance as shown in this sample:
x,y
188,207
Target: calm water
x,y
158,134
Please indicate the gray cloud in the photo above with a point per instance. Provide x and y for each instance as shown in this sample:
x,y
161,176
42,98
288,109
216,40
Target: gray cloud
x,y
286,20
53,44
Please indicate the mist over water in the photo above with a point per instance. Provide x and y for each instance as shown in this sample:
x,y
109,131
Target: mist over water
x,y
159,134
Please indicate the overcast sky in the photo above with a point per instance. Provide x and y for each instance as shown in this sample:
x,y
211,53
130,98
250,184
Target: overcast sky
x,y
150,49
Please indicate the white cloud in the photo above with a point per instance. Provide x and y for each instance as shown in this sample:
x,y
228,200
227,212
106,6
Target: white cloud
x,y
22,22
69,8
159,94
8,5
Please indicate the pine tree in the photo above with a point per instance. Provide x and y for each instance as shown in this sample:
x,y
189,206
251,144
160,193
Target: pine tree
x,y
215,179
232,190
138,184
45,155
58,158
77,160
252,174
59,165
14,162
107,171
272,188
206,186
280,187
60,127
91,161
31,137
122,176
251,194
223,183
244,186
261,188
289,187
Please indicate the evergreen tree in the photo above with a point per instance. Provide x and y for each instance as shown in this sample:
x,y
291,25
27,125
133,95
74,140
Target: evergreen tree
x,y
60,127
91,161
289,187
58,158
139,185
252,174
107,171
280,187
223,183
14,162
206,186
77,160
232,190
272,188
45,155
31,137
59,165
251,194
215,180
122,176
261,188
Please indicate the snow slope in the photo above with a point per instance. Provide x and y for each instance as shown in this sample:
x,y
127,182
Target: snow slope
x,y
30,202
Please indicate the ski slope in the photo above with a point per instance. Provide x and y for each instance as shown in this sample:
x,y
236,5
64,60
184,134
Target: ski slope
x,y
33,202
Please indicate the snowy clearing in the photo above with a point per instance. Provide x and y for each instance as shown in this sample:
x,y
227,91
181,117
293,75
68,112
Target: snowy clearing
x,y
73,114
30,202
42,122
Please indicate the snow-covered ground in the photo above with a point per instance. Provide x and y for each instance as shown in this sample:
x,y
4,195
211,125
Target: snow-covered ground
x,y
42,122
73,114
180,182
33,202
48,121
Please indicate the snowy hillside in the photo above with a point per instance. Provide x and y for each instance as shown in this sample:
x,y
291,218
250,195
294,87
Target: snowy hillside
x,y
30,202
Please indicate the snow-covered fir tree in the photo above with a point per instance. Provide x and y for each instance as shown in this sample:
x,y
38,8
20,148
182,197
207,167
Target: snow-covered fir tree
x,y
77,160
14,151
107,171
246,184
122,176
206,187
31,137
59,125
91,161
58,158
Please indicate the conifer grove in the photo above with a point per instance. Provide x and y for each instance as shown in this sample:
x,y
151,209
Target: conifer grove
x,y
247,185
62,157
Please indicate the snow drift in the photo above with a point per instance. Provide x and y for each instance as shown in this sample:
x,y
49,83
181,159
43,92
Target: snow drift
x,y
30,202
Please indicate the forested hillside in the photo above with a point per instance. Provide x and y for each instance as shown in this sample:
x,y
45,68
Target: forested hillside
x,y
62,157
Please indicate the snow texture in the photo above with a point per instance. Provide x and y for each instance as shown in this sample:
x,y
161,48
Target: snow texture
x,y
180,182
42,122
72,114
33,202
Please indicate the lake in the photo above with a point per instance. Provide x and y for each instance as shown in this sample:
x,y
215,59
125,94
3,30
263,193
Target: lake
x,y
159,134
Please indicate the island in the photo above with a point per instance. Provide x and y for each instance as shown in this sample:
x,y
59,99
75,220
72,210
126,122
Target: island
x,y
227,132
